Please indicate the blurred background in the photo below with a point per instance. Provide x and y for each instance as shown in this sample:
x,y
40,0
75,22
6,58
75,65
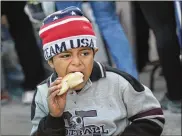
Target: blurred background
x,y
146,41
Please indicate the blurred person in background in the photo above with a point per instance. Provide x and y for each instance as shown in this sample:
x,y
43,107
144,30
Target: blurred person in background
x,y
178,7
112,32
160,17
11,71
28,52
4,92
34,11
48,7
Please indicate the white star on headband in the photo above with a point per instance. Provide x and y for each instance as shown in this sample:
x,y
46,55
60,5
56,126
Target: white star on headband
x,y
73,13
55,18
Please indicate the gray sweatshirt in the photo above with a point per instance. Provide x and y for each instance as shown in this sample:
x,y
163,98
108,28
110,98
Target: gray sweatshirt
x,y
111,103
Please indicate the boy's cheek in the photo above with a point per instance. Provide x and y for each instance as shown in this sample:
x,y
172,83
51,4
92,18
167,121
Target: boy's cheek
x,y
60,70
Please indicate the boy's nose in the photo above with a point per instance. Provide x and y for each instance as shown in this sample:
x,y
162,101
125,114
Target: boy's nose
x,y
76,61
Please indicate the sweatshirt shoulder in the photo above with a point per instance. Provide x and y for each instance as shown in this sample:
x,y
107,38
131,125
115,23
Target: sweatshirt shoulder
x,y
124,78
42,89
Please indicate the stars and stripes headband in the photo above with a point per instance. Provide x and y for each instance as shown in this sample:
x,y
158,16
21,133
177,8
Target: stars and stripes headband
x,y
64,30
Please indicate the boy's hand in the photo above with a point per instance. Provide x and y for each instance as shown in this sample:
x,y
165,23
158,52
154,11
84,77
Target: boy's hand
x,y
56,103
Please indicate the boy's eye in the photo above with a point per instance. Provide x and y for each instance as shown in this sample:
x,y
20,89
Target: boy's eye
x,y
84,53
65,56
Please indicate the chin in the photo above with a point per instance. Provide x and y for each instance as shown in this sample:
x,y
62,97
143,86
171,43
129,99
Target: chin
x,y
79,87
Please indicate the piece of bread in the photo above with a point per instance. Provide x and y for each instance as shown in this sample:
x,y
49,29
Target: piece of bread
x,y
70,81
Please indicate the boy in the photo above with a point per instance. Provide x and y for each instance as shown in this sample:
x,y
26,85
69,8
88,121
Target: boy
x,y
108,102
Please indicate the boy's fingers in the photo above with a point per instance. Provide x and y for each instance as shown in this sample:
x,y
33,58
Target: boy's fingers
x,y
52,96
63,96
59,78
51,90
58,81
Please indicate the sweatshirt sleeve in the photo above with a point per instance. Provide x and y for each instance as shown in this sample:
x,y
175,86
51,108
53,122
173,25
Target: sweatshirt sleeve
x,y
144,111
43,123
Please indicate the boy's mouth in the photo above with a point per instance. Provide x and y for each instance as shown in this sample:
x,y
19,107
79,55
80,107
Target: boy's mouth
x,y
76,71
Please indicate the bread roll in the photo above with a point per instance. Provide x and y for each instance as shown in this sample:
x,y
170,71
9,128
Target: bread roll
x,y
70,81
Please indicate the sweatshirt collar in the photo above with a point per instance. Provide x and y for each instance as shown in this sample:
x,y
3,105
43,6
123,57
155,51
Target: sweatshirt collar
x,y
98,72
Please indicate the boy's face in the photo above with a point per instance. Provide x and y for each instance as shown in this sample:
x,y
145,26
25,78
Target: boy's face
x,y
74,60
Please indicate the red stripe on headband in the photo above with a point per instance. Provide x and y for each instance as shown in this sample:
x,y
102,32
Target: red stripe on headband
x,y
73,28
58,20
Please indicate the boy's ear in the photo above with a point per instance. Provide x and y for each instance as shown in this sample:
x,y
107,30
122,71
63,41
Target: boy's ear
x,y
95,50
50,62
